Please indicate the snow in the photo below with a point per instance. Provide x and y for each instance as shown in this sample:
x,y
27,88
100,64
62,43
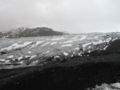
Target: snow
x,y
114,86
108,39
16,46
47,52
83,37
11,56
80,54
69,41
19,58
85,45
35,62
98,42
29,52
105,47
45,44
53,43
96,37
58,38
67,45
57,57
7,61
89,51
37,43
65,53
27,56
21,62
77,48
89,47
33,56
2,60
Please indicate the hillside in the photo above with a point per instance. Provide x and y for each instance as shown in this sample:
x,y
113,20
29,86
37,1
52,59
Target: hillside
x,y
30,32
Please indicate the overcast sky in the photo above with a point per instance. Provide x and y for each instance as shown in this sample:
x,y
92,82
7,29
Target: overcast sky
x,y
63,15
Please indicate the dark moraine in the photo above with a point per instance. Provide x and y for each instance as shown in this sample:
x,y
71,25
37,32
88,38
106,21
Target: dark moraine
x,y
77,73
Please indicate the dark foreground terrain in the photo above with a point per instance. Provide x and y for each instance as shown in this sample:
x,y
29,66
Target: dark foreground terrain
x,y
77,73
61,78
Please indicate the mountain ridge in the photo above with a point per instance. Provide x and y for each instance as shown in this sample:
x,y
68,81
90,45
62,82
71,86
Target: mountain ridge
x,y
30,32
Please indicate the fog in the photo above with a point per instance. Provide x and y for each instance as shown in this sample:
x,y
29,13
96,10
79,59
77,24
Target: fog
x,y
74,16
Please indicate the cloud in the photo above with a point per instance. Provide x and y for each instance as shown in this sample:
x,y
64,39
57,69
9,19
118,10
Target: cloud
x,y
64,15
